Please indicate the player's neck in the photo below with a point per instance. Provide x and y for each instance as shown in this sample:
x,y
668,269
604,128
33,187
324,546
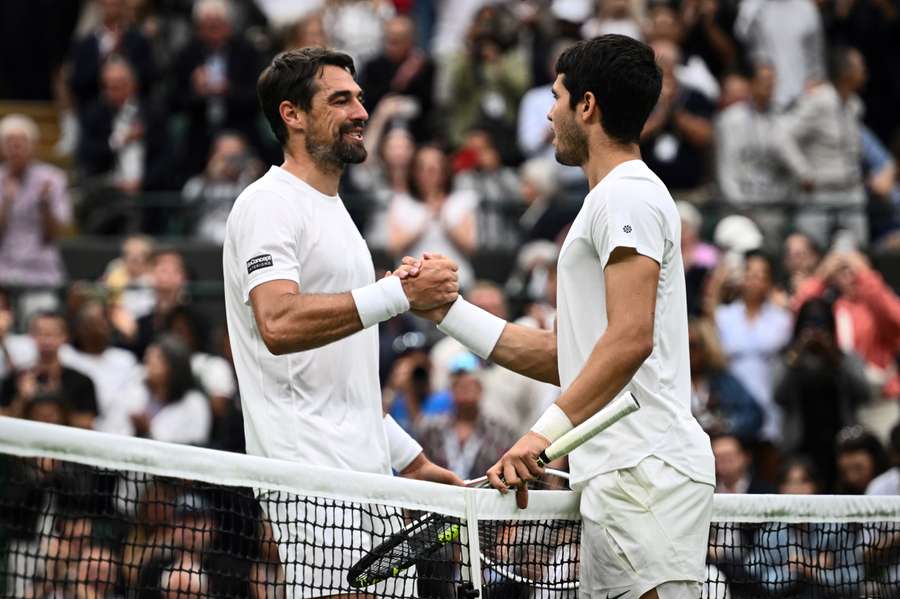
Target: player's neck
x,y
604,157
300,164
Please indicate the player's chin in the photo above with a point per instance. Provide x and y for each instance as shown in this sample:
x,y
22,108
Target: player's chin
x,y
352,152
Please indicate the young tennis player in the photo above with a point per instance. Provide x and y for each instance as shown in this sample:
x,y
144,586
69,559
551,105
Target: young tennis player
x,y
647,481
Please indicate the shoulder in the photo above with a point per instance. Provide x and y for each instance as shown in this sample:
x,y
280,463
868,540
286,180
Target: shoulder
x,y
639,191
119,357
887,483
50,172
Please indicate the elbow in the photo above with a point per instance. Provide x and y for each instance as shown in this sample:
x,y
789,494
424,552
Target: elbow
x,y
274,338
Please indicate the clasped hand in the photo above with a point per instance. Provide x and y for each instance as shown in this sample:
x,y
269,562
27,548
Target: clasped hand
x,y
429,283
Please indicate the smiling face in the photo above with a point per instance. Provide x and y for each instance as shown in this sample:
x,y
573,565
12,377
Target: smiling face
x,y
569,140
336,121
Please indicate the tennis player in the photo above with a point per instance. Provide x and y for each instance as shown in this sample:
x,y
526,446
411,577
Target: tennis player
x,y
647,482
303,307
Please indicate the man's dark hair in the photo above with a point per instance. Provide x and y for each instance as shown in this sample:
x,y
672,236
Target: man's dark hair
x,y
765,257
622,74
291,76
837,61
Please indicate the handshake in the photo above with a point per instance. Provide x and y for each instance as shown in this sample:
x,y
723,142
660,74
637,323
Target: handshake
x,y
431,284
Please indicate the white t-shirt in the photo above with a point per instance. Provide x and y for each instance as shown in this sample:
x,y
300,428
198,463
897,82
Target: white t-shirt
x,y
321,406
631,208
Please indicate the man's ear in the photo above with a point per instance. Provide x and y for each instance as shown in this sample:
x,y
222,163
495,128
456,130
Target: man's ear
x,y
588,108
294,118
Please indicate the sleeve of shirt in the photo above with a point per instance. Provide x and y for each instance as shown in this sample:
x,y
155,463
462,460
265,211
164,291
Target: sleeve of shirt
x,y
267,242
633,220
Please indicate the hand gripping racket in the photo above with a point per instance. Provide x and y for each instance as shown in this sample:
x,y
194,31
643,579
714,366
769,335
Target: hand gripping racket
x,y
430,532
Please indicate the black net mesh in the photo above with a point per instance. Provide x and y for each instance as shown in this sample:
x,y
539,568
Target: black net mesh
x,y
68,530
74,531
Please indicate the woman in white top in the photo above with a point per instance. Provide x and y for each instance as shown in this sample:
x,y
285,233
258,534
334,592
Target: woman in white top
x,y
430,218
174,410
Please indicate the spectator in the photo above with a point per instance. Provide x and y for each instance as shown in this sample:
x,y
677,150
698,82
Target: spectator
x,y
753,331
888,482
820,141
734,467
110,369
167,406
495,185
357,26
487,80
465,441
547,214
699,257
735,88
882,191
122,145
431,218
115,35
801,257
679,131
612,16
796,52
819,388
750,172
308,32
129,282
34,213
211,194
170,279
214,83
867,312
535,135
401,69
49,376
409,395
860,458
708,27
16,351
719,402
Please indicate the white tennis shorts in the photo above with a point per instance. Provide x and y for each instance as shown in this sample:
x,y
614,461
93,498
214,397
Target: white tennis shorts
x,y
643,528
319,539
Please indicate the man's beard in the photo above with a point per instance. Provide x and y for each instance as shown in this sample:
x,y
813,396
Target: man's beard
x,y
335,155
571,145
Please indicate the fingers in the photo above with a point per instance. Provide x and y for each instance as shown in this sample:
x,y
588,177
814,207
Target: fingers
x,y
413,264
493,475
522,496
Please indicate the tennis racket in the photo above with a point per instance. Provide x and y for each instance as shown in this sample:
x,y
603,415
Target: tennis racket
x,y
431,532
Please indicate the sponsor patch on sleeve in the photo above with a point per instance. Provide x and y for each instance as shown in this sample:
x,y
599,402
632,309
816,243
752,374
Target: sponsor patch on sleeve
x,y
257,262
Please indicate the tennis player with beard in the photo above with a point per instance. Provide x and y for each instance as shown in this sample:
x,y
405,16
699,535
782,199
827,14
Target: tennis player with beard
x,y
303,307
647,481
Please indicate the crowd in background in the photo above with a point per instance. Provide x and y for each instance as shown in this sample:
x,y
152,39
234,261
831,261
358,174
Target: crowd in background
x,y
777,131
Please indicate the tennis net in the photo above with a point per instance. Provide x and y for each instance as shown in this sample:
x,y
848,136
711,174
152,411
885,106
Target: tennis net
x,y
90,515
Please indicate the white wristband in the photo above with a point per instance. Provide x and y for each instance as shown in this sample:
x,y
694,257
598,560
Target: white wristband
x,y
477,329
380,301
402,447
553,423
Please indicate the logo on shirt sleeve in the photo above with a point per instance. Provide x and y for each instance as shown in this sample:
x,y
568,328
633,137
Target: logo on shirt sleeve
x,y
261,261
627,228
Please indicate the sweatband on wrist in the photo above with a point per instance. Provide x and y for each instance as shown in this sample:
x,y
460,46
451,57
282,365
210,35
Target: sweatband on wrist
x,y
553,423
402,447
380,301
477,329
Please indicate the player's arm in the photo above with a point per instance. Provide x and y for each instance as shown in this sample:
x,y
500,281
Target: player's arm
x,y
289,320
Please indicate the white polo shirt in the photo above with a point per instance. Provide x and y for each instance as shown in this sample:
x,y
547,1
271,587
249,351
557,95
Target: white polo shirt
x,y
631,208
321,406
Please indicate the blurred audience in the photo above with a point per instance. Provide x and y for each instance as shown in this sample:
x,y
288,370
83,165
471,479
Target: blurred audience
x,y
34,214
547,213
860,458
734,467
129,282
888,482
170,278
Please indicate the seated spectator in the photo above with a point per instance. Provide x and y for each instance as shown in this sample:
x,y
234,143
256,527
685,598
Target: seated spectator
x,y
749,169
801,257
465,441
546,214
860,459
699,258
820,141
734,467
167,406
678,133
129,282
122,144
49,376
214,83
111,369
753,331
888,482
432,218
401,69
308,32
482,172
819,388
867,312
115,35
719,402
211,194
487,80
34,213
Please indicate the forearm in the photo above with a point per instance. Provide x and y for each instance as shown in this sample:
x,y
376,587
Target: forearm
x,y
611,365
303,321
530,352
697,130
463,236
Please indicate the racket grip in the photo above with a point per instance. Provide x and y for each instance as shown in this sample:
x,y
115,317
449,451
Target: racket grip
x,y
543,460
